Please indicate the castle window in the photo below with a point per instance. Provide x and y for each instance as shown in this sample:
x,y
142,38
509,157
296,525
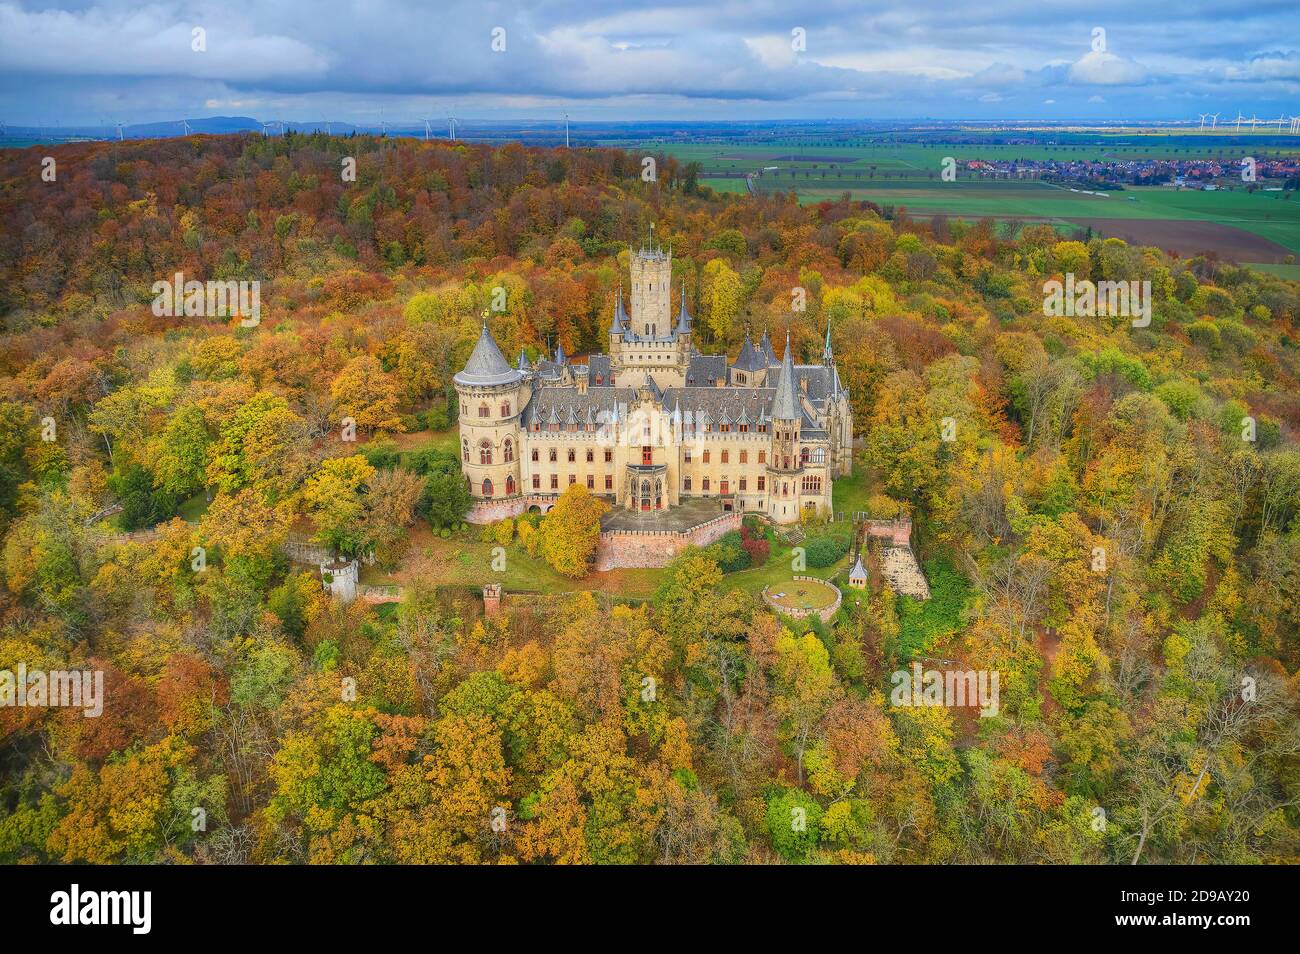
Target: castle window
x,y
762,483
609,456
555,481
726,428
706,457
743,486
536,456
572,455
591,482
600,379
464,449
487,486
803,455
573,479
726,457
591,455
553,455
686,484
537,481
690,380
485,452
509,451
687,456
819,455
744,428
723,486
704,485
609,481
744,457
762,428
505,409
484,411
510,485
762,457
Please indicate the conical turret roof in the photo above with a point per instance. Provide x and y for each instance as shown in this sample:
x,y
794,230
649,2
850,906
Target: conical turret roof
x,y
486,364
785,407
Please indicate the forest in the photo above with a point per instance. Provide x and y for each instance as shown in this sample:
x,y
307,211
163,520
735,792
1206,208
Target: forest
x,y
1108,515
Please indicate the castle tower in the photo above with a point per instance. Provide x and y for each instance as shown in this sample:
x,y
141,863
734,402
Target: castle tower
x,y
785,468
491,396
652,276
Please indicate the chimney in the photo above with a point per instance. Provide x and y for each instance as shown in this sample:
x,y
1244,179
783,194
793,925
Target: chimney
x,y
491,599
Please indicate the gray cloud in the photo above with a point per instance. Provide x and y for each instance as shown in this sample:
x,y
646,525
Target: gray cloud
x,y
302,59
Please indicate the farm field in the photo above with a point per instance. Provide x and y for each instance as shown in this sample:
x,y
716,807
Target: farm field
x,y
1261,227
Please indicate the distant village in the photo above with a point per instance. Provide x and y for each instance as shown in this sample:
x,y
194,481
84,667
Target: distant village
x,y
1115,174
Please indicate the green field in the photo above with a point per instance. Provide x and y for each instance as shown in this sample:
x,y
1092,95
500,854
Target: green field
x,y
908,174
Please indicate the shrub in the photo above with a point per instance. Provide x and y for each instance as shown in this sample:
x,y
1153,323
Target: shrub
x,y
755,544
826,550
504,532
382,455
1205,334
731,553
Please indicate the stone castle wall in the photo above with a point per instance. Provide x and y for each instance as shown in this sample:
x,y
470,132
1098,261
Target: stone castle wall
x,y
655,548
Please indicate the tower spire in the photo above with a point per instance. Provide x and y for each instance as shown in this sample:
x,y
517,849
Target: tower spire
x,y
784,405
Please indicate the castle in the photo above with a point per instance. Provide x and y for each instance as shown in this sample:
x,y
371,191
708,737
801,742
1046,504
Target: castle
x,y
654,425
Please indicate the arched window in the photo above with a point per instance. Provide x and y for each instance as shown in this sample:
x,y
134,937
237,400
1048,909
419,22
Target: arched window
x,y
464,449
505,408
508,452
510,485
485,452
487,486
484,411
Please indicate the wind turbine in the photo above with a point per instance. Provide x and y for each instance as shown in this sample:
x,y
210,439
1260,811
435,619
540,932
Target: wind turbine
x,y
566,130
1203,116
1254,122
451,126
1295,124
1214,120
186,126
119,132
1239,120
428,129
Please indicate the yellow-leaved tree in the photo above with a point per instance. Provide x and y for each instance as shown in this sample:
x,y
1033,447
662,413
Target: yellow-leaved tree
x,y
570,532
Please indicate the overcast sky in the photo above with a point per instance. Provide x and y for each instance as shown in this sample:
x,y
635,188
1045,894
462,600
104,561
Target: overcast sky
x,y
123,61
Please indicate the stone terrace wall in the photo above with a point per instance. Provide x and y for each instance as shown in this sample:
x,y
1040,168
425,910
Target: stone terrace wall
x,y
898,531
490,511
655,548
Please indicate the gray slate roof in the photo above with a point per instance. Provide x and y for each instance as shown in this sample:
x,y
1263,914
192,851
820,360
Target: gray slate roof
x,y
785,406
749,359
486,364
706,370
